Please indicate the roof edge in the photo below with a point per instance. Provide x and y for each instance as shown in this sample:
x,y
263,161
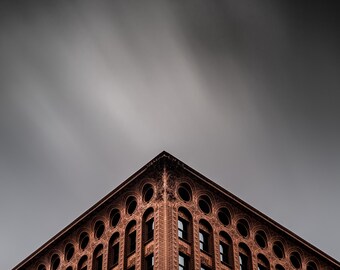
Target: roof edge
x,y
88,212
263,216
165,155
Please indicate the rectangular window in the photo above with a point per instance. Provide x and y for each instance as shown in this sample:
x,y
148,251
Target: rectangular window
x,y
183,262
149,262
150,227
243,262
204,241
132,242
182,229
224,252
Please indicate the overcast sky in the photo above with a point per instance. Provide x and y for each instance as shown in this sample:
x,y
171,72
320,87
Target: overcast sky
x,y
245,92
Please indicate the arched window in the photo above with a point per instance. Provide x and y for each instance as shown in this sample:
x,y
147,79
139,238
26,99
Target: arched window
x,y
114,217
147,192
130,238
41,267
261,239
148,225
279,267
278,249
243,228
83,240
113,255
295,260
184,225
99,228
224,216
311,266
82,264
184,192
226,252
204,204
131,205
244,257
69,251
55,262
97,262
206,237
262,262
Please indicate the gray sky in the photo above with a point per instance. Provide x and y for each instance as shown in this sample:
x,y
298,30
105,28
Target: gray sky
x,y
245,92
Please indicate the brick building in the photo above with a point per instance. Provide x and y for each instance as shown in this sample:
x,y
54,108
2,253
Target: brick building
x,y
168,216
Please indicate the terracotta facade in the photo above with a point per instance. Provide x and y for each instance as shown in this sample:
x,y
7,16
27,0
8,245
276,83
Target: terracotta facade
x,y
168,216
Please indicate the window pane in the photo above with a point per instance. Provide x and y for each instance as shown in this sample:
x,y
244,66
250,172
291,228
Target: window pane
x,y
150,229
115,251
183,262
149,261
182,229
204,241
180,224
132,242
224,250
243,262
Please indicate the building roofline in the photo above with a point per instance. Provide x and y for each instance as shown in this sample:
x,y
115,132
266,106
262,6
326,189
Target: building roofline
x,y
261,215
90,210
143,169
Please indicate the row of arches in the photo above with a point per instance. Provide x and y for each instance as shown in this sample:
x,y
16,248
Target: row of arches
x,y
226,253
113,248
263,262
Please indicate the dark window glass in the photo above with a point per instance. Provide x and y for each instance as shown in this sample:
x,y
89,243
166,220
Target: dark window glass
x,y
224,252
131,204
204,205
55,262
115,217
204,241
150,227
184,193
261,267
261,239
311,266
98,263
82,265
278,250
41,267
69,251
149,262
243,262
84,240
183,262
280,267
182,229
115,254
148,192
132,242
295,260
242,229
99,229
224,216
203,267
